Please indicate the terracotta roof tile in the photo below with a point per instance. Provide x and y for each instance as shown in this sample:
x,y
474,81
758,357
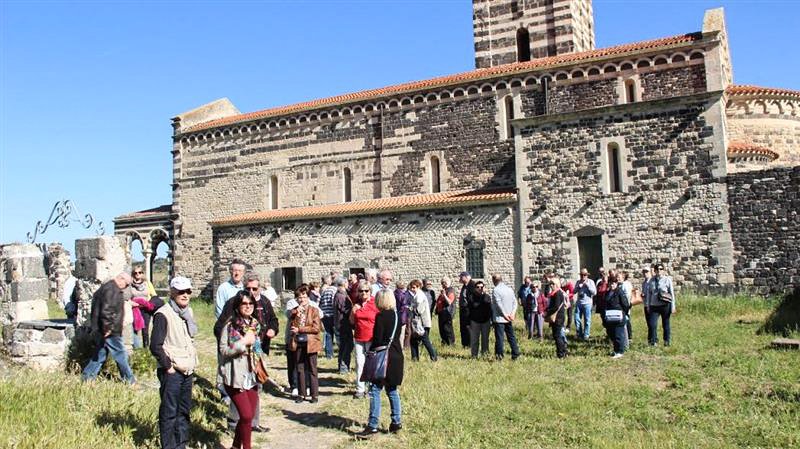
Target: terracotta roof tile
x,y
490,72
370,207
736,148
756,90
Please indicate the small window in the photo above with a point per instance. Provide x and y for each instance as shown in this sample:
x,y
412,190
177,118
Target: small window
x,y
273,192
348,185
291,277
508,106
436,185
523,45
614,175
475,262
630,91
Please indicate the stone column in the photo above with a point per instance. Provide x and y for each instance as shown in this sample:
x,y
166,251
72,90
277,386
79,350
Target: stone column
x,y
148,264
24,287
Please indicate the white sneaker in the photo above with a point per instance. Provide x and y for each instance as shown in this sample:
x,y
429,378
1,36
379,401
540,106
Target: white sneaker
x,y
294,392
616,356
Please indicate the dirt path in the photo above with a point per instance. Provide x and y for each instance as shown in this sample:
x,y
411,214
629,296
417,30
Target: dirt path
x,y
303,425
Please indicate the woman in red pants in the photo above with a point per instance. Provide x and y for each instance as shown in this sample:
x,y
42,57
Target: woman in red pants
x,y
239,351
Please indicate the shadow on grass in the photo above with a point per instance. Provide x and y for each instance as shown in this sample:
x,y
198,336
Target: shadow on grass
x,y
785,319
322,419
142,432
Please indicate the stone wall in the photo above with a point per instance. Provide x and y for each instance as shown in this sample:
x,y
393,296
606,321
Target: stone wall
x,y
59,269
412,244
765,222
672,207
388,152
673,82
778,132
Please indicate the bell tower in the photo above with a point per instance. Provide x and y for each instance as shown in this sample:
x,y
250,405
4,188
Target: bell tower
x,y
508,31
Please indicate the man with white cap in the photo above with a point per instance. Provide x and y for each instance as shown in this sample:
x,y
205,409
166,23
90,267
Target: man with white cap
x,y
172,344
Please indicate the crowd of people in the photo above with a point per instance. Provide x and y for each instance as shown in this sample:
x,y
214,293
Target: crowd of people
x,y
363,313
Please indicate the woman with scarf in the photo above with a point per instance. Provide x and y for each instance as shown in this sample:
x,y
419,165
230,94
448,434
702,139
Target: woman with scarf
x,y
305,325
240,349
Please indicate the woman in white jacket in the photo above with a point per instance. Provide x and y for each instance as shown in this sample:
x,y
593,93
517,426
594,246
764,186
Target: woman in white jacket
x,y
421,322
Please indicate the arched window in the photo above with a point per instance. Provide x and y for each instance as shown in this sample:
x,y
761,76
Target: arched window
x,y
436,180
273,192
630,91
523,45
508,105
614,175
348,185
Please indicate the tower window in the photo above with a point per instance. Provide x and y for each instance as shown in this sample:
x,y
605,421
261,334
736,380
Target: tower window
x,y
523,45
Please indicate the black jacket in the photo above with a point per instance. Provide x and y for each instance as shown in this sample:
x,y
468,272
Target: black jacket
x,y
466,294
107,309
480,307
557,301
381,334
616,300
263,313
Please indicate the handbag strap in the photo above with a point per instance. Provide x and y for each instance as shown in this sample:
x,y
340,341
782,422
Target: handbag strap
x,y
394,329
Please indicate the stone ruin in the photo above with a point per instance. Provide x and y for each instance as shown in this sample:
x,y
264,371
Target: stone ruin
x,y
30,274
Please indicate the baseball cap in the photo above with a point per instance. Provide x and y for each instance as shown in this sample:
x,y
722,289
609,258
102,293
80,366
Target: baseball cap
x,y
180,283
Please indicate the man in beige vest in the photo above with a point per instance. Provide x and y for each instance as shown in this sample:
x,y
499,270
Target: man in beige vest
x,y
172,344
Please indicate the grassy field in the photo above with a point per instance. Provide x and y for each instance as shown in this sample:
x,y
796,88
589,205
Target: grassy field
x,y
718,386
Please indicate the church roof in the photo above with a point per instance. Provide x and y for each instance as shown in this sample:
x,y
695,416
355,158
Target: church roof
x,y
459,198
473,75
165,209
765,91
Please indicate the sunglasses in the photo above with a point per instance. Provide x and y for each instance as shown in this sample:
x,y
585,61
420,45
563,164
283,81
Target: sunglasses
x,y
253,289
188,291
246,303
365,291
137,272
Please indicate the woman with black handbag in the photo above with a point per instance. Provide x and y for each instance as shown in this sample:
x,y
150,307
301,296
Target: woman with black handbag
x,y
615,315
385,333
555,315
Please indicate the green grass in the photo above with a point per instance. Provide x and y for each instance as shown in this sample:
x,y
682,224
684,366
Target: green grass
x,y
718,386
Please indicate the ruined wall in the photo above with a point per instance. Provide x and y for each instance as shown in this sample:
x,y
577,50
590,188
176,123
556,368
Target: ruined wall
x,y
673,205
765,222
412,244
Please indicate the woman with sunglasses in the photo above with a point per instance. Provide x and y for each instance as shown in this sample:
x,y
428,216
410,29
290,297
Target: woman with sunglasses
x,y
239,350
363,319
557,306
141,290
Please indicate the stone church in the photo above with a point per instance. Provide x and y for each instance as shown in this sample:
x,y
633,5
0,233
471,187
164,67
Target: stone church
x,y
550,156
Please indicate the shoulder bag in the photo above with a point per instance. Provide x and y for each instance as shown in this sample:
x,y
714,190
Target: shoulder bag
x,y
551,317
377,361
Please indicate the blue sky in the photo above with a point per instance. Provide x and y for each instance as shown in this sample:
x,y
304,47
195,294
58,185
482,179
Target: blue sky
x,y
87,89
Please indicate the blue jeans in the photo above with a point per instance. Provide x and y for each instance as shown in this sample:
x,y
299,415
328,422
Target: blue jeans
x,y
327,323
113,345
617,335
375,404
583,320
426,341
561,340
501,332
663,311
176,403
